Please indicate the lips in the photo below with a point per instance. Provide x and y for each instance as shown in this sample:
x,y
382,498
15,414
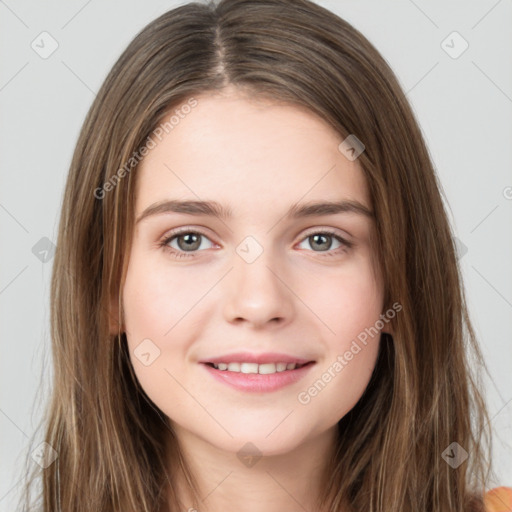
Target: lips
x,y
258,382
247,357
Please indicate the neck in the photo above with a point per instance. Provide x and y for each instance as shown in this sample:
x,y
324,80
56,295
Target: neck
x,y
250,482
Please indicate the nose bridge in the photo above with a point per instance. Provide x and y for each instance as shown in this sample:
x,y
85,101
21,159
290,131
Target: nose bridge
x,y
256,289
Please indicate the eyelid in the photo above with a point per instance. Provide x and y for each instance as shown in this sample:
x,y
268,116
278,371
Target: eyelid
x,y
185,229
324,229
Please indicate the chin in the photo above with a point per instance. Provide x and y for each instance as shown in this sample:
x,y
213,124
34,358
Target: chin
x,y
277,439
251,447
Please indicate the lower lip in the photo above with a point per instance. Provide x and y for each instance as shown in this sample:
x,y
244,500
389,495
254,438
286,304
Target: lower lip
x,y
257,382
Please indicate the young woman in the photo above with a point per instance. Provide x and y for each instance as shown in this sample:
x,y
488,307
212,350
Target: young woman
x,y
256,301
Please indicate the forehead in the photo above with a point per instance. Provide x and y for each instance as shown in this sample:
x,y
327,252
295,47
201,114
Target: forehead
x,y
250,154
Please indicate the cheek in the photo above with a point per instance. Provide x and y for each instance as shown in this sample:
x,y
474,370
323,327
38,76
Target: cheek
x,y
348,304
347,301
153,304
145,307
155,307
155,300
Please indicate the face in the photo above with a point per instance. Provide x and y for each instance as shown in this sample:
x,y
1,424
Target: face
x,y
262,281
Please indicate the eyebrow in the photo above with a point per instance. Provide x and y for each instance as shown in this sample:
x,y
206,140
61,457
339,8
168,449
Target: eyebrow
x,y
296,211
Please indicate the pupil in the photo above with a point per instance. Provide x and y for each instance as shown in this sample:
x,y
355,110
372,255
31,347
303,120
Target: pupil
x,y
191,241
316,237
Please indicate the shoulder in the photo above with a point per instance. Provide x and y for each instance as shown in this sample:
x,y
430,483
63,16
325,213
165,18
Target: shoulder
x,y
498,499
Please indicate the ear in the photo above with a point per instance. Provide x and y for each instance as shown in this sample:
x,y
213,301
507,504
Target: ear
x,y
113,317
388,326
388,329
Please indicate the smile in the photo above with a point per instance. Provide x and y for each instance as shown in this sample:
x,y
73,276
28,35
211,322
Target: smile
x,y
262,369
257,378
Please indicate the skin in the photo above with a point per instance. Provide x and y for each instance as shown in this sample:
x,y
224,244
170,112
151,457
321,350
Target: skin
x,y
258,158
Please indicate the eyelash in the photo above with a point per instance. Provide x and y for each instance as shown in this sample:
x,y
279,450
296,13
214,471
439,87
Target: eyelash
x,y
346,245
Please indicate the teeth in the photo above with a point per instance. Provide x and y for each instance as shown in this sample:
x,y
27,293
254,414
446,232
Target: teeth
x,y
263,369
247,367
267,368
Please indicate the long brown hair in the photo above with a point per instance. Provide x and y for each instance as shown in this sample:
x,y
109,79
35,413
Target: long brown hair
x,y
423,395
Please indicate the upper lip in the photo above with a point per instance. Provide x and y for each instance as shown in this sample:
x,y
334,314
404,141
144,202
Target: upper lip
x,y
247,357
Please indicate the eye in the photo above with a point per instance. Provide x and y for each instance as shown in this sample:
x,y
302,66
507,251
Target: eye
x,y
182,242
185,243
323,240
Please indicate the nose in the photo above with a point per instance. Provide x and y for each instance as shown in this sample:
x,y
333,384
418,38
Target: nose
x,y
258,293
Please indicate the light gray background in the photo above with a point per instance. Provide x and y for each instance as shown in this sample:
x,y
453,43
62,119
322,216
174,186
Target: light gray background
x,y
463,104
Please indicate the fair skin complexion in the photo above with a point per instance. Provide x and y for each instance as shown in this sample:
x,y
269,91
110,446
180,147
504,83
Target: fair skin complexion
x,y
300,297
